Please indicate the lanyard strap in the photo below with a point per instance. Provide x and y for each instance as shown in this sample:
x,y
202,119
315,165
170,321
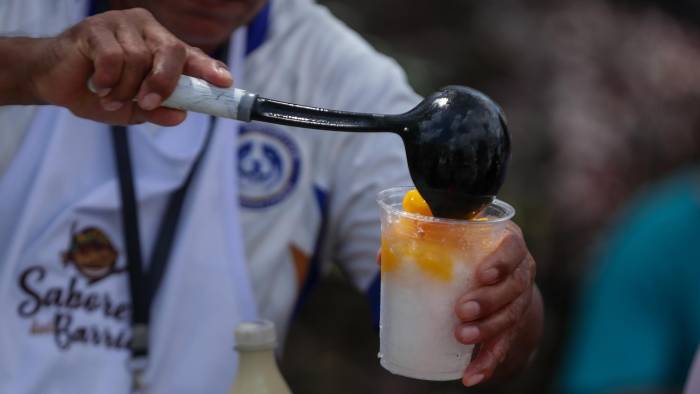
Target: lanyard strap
x,y
143,285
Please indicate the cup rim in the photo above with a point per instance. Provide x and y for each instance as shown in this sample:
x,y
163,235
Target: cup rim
x,y
384,194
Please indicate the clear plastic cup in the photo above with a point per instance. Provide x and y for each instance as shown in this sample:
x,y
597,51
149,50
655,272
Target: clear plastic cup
x,y
427,264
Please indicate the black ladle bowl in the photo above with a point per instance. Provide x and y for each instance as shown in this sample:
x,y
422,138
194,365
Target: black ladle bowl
x,y
458,147
457,143
456,140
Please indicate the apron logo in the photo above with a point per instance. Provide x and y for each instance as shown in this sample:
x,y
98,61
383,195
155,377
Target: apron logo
x,y
92,254
268,166
77,312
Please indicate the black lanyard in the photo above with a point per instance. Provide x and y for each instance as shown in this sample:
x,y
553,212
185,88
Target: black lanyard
x,y
144,285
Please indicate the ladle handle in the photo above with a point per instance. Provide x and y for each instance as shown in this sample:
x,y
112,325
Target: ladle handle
x,y
194,94
279,112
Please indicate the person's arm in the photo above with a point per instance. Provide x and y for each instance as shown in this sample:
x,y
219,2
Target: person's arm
x,y
503,313
18,56
134,63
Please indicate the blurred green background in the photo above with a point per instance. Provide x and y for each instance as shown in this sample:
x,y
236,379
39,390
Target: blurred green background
x,y
601,98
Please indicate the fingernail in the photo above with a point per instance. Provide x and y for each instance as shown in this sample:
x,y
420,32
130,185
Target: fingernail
x,y
490,275
223,71
474,380
103,92
469,333
470,310
111,105
150,101
222,68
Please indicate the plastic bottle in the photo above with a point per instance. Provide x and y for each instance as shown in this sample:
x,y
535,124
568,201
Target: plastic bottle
x,y
257,367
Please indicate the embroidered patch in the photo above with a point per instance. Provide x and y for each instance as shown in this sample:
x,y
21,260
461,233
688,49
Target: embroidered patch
x,y
268,165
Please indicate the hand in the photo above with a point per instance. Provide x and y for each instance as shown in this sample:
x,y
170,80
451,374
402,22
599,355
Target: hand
x,y
129,55
503,313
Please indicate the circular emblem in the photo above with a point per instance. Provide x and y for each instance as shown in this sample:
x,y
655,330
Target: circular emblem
x,y
268,166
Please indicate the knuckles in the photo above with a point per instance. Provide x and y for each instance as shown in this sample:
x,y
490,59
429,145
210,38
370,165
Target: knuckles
x,y
522,279
175,48
194,51
139,12
515,243
161,80
514,228
110,56
108,19
111,20
138,55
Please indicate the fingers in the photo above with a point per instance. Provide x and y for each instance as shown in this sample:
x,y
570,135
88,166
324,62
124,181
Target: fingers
x,y
120,56
168,63
108,59
492,313
491,355
505,258
134,57
493,325
199,65
164,116
137,63
487,300
131,113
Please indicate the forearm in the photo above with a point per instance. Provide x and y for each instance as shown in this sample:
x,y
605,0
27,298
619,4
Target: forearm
x,y
527,340
20,58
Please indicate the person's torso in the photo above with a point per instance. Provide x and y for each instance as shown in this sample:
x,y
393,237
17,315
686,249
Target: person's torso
x,y
288,176
64,298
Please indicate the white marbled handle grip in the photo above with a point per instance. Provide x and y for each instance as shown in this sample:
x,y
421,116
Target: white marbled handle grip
x,y
194,94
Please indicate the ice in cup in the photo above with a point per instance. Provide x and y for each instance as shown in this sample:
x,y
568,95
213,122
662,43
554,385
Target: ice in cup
x,y
427,264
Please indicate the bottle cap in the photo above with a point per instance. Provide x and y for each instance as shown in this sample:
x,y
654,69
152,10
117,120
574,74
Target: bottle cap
x,y
255,335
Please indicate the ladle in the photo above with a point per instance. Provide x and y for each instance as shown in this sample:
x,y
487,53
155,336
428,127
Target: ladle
x,y
456,140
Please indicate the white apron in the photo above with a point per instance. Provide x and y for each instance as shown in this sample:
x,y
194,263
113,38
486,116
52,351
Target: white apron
x,y
64,299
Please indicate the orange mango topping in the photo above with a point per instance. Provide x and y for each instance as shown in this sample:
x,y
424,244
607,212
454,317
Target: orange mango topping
x,y
413,202
427,244
409,238
434,261
389,259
